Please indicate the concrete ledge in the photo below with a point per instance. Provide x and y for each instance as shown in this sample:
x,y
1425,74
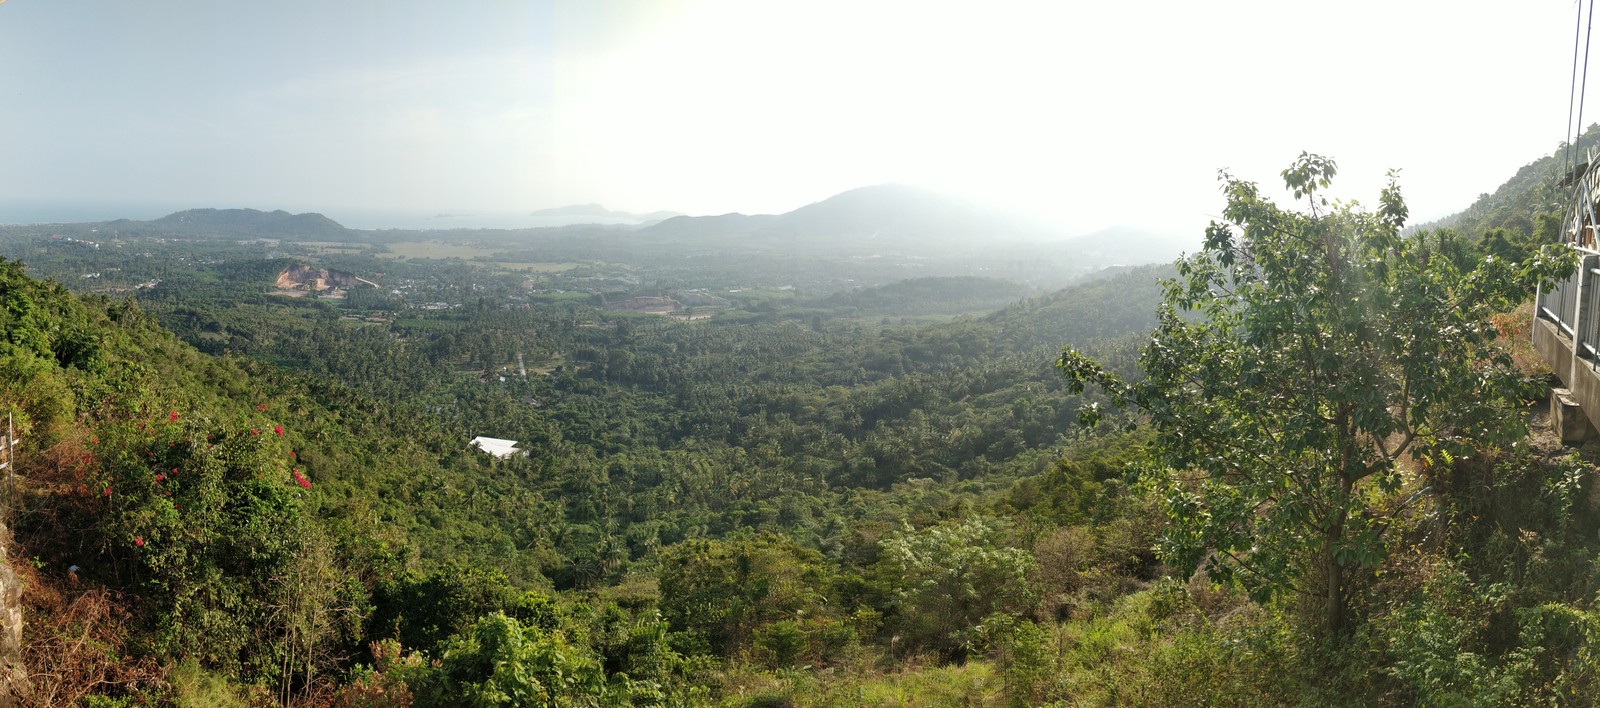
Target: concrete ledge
x,y
1567,418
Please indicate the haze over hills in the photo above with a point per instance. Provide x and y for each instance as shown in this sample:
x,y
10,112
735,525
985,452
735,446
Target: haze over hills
x,y
583,213
721,226
1126,245
909,224
886,213
915,221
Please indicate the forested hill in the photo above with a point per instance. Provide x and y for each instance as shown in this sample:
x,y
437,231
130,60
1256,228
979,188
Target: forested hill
x,y
924,296
183,507
1518,205
265,515
244,223
886,215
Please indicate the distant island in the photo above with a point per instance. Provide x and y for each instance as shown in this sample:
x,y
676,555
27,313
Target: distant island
x,y
607,215
245,222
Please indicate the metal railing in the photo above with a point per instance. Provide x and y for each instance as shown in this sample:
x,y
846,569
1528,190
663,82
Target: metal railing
x,y
1573,304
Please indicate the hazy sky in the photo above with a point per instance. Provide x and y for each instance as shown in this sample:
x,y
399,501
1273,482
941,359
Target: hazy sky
x,y
1097,113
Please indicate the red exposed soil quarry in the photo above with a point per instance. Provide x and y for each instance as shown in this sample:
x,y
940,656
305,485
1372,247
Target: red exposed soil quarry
x,y
319,279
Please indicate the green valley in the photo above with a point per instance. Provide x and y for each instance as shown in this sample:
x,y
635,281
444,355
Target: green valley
x,y
247,476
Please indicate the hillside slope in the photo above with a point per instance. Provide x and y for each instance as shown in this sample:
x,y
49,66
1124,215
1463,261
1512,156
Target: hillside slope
x,y
182,507
1534,192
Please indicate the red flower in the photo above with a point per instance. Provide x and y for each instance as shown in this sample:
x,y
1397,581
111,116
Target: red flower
x,y
87,459
253,431
277,429
173,418
160,477
94,441
302,481
174,470
291,453
108,491
138,541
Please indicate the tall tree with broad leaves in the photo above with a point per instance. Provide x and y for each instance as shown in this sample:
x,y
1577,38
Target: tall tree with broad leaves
x,y
1316,350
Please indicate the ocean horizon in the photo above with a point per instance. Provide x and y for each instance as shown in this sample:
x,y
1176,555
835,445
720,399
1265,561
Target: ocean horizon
x,y
65,212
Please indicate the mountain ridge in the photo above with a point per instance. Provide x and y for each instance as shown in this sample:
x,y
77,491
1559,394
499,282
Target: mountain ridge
x,y
250,222
890,213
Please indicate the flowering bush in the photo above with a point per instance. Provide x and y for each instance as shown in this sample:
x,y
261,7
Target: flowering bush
x,y
214,532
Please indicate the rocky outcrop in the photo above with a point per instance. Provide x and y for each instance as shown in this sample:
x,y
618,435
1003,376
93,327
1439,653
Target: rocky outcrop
x,y
13,674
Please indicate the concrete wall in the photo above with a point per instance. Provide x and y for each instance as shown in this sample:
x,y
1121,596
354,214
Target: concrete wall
x,y
1576,374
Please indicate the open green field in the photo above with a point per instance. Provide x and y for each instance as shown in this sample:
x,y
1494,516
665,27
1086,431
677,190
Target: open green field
x,y
561,297
334,247
437,250
538,267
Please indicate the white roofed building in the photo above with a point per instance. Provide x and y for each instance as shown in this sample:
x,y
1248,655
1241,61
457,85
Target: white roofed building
x,y
495,446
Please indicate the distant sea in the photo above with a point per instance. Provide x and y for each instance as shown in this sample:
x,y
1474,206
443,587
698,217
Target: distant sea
x,y
59,212
55,212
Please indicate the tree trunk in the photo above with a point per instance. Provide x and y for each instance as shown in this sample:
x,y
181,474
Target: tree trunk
x,y
1333,570
1333,602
